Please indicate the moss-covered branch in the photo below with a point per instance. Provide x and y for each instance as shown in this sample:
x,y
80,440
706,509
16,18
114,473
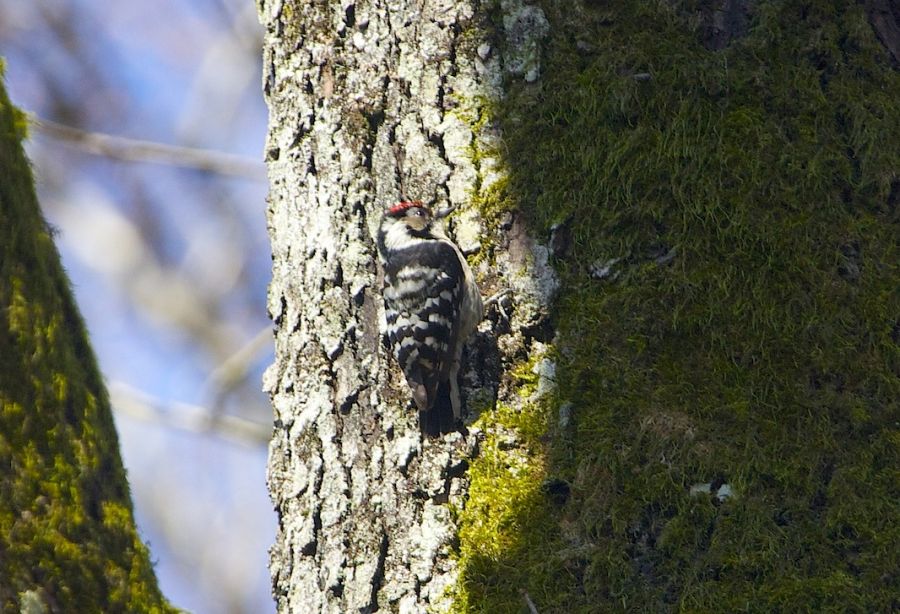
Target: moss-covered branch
x,y
68,541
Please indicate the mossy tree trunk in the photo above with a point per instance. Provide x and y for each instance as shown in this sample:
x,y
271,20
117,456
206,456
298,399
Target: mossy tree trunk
x,y
709,422
728,318
68,541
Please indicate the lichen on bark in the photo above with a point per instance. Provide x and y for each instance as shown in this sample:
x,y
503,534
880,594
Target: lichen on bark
x,y
371,102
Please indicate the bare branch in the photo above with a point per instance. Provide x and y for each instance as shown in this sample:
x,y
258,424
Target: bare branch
x,y
137,404
134,150
234,369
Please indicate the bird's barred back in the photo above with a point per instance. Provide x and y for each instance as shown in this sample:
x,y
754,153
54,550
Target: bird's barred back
x,y
421,304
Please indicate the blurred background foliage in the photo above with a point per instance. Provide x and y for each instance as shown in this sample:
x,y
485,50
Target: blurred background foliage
x,y
146,143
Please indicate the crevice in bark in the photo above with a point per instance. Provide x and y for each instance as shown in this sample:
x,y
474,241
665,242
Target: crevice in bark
x,y
375,120
437,140
378,577
350,15
311,548
726,21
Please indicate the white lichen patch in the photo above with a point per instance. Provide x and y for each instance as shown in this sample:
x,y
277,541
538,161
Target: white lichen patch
x,y
468,231
525,26
405,448
30,602
526,271
545,369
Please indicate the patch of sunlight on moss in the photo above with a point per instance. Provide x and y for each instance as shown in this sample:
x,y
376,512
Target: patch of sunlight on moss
x,y
505,515
115,515
510,478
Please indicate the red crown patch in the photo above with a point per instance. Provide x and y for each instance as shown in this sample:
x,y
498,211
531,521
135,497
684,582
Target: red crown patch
x,y
403,206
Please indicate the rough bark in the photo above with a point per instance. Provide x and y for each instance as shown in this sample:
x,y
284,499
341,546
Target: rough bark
x,y
68,541
371,102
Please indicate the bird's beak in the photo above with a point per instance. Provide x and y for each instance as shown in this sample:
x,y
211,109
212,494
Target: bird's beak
x,y
442,213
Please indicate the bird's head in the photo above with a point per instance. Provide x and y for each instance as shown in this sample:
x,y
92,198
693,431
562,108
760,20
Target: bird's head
x,y
412,213
409,221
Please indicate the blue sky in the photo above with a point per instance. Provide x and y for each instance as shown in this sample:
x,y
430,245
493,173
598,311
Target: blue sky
x,y
152,250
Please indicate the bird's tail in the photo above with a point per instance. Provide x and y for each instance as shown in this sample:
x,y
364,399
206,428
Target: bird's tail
x,y
439,419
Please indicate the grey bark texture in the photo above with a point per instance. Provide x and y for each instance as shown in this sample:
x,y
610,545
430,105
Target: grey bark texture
x,y
371,102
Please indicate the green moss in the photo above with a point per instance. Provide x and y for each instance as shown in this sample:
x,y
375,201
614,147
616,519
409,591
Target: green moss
x,y
763,355
505,503
491,201
67,534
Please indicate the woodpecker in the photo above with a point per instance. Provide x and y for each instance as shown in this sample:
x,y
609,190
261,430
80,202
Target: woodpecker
x,y
431,305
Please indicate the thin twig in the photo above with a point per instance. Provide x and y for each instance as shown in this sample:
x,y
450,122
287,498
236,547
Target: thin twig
x,y
134,150
531,607
234,369
137,404
496,298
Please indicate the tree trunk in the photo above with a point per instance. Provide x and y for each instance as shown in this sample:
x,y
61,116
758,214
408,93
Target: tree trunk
x,y
68,542
371,103
715,426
